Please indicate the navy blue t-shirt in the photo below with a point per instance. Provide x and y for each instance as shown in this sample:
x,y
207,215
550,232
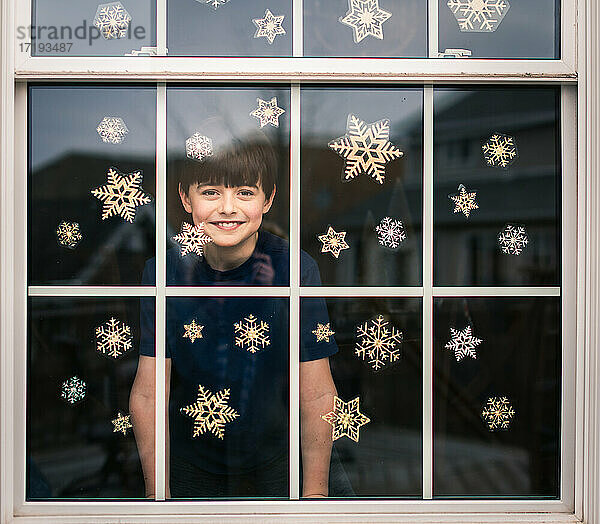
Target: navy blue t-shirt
x,y
257,381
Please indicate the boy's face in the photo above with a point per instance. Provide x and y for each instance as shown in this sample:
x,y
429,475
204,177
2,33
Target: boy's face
x,y
231,215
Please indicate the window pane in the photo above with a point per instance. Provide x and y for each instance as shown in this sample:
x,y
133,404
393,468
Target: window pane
x,y
497,187
376,423
81,366
497,413
235,180
500,28
90,28
91,184
362,159
391,28
224,28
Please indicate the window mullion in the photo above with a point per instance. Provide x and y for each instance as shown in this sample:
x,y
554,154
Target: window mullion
x,y
161,27
432,28
297,30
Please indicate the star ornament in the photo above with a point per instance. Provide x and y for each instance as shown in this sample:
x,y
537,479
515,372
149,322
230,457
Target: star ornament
x,y
192,239
333,242
366,18
463,343
323,332
346,419
210,412
268,112
121,195
366,148
269,26
464,201
122,423
192,331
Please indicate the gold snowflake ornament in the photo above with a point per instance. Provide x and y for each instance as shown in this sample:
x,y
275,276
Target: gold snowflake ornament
x,y
113,338
251,334
366,148
500,150
464,201
333,242
378,341
193,331
269,26
268,112
346,418
122,423
192,239
121,195
68,234
112,130
366,18
323,332
210,412
497,413
479,16
112,20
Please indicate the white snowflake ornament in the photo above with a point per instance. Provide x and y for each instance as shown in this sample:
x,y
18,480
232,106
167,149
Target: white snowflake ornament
x,y
500,150
210,412
390,232
498,413
269,26
122,423
113,338
333,242
112,20
73,390
365,17
463,343
513,239
366,148
192,239
198,147
378,342
464,201
478,16
252,334
121,195
215,4
268,112
112,129
68,234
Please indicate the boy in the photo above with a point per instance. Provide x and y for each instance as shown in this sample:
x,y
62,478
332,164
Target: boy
x,y
230,192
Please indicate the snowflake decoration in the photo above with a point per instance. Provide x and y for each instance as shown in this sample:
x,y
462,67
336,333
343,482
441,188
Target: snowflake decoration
x,y
333,242
210,412
390,232
500,150
198,147
269,26
112,20
463,343
377,342
122,423
268,112
193,331
366,18
497,413
513,239
68,234
366,148
323,332
215,4
121,195
252,333
346,418
112,129
464,201
479,16
73,390
113,338
192,239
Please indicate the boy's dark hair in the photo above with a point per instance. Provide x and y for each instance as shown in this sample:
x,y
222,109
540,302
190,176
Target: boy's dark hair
x,y
239,164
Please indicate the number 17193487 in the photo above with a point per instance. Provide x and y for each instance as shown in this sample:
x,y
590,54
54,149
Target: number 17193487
x,y
41,47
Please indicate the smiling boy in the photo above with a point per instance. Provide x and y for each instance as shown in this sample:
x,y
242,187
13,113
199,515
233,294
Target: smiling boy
x,y
230,192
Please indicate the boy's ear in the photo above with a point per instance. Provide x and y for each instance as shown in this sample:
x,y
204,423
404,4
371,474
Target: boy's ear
x,y
269,202
185,199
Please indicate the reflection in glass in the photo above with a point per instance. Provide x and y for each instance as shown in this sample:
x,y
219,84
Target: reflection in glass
x,y
80,442
361,207
497,410
497,176
375,419
87,146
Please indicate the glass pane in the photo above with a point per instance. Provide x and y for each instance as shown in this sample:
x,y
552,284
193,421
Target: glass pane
x,y
497,369
91,184
230,223
497,187
500,28
224,28
372,409
362,163
81,366
90,28
392,28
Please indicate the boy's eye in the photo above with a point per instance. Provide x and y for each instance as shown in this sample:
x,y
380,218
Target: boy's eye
x,y
246,192
209,192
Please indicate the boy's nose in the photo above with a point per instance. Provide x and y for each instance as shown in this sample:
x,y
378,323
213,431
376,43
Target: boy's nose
x,y
227,202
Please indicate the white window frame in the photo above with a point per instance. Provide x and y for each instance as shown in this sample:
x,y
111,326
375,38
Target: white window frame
x,y
578,74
